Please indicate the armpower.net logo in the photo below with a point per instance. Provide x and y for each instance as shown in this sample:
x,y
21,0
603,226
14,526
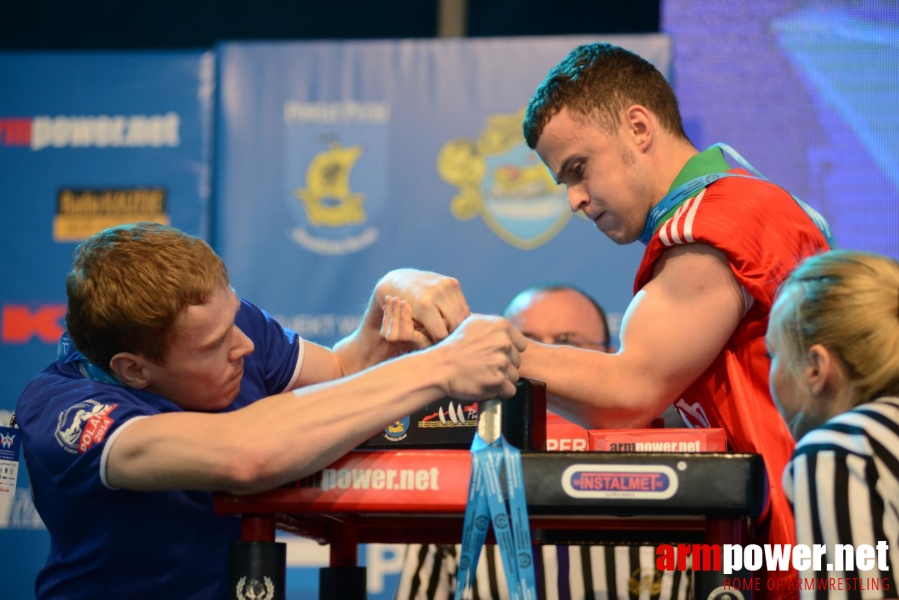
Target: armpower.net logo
x,y
98,131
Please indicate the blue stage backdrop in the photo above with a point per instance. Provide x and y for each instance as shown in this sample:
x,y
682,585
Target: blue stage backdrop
x,y
337,162
340,161
86,141
808,93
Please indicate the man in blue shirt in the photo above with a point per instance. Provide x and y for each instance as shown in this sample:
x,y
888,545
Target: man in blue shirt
x,y
169,386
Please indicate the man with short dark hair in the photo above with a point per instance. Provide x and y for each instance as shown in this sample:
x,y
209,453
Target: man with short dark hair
x,y
718,243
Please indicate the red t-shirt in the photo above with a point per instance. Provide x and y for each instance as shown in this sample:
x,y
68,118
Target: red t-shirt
x,y
763,233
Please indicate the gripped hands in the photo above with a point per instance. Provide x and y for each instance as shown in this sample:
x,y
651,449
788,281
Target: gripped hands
x,y
484,354
436,302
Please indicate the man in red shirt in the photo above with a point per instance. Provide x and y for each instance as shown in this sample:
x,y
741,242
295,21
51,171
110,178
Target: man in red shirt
x,y
719,242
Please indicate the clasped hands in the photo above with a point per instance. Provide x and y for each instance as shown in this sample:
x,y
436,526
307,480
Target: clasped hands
x,y
425,310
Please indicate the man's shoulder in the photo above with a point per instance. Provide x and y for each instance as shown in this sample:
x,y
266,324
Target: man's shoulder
x,y
735,208
254,321
60,386
760,228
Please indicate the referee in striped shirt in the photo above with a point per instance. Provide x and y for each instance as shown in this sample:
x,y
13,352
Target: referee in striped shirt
x,y
557,314
833,338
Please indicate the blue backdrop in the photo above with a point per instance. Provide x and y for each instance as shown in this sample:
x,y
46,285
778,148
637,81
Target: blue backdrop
x,y
86,141
339,161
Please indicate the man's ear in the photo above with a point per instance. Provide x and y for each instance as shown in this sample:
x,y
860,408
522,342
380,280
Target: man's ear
x,y
823,371
130,369
640,126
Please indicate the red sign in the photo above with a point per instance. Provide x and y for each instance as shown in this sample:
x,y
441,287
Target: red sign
x,y
20,323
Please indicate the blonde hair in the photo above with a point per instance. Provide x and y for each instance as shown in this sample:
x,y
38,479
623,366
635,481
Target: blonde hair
x,y
847,301
129,284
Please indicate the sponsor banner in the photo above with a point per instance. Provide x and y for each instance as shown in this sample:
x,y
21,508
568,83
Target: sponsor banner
x,y
822,561
658,440
341,161
82,213
87,141
638,482
424,481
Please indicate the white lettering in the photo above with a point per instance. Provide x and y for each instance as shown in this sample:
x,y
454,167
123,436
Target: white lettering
x,y
777,557
361,479
845,555
382,560
331,247
732,558
864,557
329,479
801,557
347,111
104,131
752,557
379,479
882,549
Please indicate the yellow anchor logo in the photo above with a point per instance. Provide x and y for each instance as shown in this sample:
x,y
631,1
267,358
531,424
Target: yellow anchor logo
x,y
327,197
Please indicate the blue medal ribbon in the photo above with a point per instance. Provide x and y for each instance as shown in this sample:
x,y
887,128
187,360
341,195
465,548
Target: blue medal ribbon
x,y
487,504
88,369
694,186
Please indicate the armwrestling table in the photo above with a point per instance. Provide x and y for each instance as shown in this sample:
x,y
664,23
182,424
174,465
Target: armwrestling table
x,y
419,496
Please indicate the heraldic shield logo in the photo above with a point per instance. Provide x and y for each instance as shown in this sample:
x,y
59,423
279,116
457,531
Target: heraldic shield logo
x,y
503,181
335,182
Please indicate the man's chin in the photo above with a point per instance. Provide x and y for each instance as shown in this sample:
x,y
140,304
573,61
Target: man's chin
x,y
622,238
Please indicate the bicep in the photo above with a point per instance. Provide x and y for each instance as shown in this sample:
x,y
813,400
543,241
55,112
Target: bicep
x,y
166,452
681,320
319,364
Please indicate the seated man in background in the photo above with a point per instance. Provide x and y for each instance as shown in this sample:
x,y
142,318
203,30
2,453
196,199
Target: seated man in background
x,y
552,314
169,386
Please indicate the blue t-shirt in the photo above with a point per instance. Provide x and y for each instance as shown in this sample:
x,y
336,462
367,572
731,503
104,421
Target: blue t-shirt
x,y
112,543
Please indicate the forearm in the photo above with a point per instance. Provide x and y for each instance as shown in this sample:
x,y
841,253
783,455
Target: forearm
x,y
323,422
277,439
596,390
282,438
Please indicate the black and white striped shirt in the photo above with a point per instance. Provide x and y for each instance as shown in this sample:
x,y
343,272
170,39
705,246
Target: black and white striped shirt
x,y
563,573
843,483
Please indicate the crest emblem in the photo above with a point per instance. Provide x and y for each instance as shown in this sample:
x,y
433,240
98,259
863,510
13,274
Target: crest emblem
x,y
398,430
334,188
83,424
327,197
503,181
255,589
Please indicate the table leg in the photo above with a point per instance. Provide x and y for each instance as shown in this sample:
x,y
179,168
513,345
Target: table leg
x,y
343,579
